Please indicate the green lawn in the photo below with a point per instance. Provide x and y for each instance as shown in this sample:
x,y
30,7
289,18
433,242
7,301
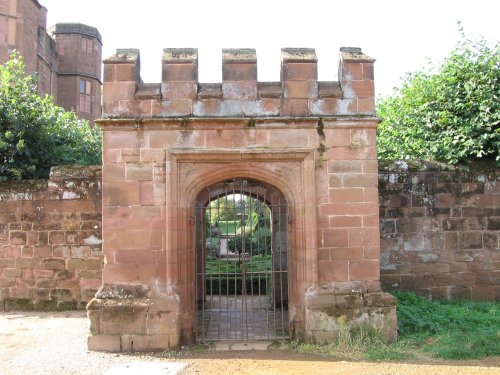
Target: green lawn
x,y
224,276
257,263
228,227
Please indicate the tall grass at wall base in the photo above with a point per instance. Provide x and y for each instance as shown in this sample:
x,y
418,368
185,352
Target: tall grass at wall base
x,y
449,329
427,329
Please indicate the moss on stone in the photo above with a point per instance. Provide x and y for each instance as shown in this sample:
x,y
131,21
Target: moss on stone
x,y
23,304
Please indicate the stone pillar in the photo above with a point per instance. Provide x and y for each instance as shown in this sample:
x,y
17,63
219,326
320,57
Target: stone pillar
x,y
121,76
135,309
239,74
179,85
348,292
357,80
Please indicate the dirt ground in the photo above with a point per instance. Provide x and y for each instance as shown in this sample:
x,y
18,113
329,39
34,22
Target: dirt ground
x,y
55,343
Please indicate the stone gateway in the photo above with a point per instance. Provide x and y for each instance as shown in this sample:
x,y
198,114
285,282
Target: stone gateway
x,y
304,152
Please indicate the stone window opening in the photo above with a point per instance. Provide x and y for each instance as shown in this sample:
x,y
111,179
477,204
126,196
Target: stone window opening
x,y
87,45
85,96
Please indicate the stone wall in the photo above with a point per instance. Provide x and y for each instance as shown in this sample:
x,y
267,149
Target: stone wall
x,y
439,235
440,229
50,240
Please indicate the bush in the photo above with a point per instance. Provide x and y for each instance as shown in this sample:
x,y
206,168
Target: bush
x,y
235,244
262,242
450,114
449,329
35,134
212,247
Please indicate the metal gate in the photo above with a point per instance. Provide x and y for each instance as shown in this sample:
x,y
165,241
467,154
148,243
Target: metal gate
x,y
241,263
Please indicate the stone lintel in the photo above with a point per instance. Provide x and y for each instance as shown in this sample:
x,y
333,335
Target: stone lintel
x,y
171,123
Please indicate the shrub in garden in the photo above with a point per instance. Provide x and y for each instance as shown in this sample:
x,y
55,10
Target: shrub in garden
x,y
449,113
35,134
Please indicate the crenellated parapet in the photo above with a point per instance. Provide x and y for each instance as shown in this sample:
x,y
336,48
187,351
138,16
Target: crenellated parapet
x,y
298,94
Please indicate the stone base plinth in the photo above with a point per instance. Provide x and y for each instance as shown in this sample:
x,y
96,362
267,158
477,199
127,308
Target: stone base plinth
x,y
335,307
133,319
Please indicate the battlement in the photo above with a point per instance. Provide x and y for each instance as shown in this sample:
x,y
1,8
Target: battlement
x,y
76,28
297,94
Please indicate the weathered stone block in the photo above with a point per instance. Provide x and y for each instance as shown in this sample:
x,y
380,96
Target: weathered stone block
x,y
342,287
471,240
148,343
11,272
105,343
53,264
60,294
123,318
333,302
45,283
327,316
379,300
17,238
18,304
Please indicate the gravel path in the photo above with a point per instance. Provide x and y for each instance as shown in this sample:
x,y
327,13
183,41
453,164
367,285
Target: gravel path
x,y
56,343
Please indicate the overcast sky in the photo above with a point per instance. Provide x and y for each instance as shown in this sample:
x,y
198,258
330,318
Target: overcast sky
x,y
401,35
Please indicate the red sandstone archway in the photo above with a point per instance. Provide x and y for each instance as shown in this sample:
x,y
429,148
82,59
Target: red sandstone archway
x,y
192,174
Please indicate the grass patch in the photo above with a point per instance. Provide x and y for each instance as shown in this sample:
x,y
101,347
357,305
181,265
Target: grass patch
x,y
351,343
450,329
224,276
436,329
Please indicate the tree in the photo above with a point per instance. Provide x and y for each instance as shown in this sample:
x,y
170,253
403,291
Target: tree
x,y
35,134
449,114
222,209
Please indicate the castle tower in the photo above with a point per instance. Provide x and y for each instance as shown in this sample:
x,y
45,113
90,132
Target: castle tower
x,y
20,21
79,49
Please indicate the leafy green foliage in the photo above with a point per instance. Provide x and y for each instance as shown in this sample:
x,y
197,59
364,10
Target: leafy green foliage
x,y
35,134
212,246
240,242
222,209
451,114
251,222
262,241
231,266
258,242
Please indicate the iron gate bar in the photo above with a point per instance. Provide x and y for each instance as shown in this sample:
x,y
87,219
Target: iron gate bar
x,y
255,264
